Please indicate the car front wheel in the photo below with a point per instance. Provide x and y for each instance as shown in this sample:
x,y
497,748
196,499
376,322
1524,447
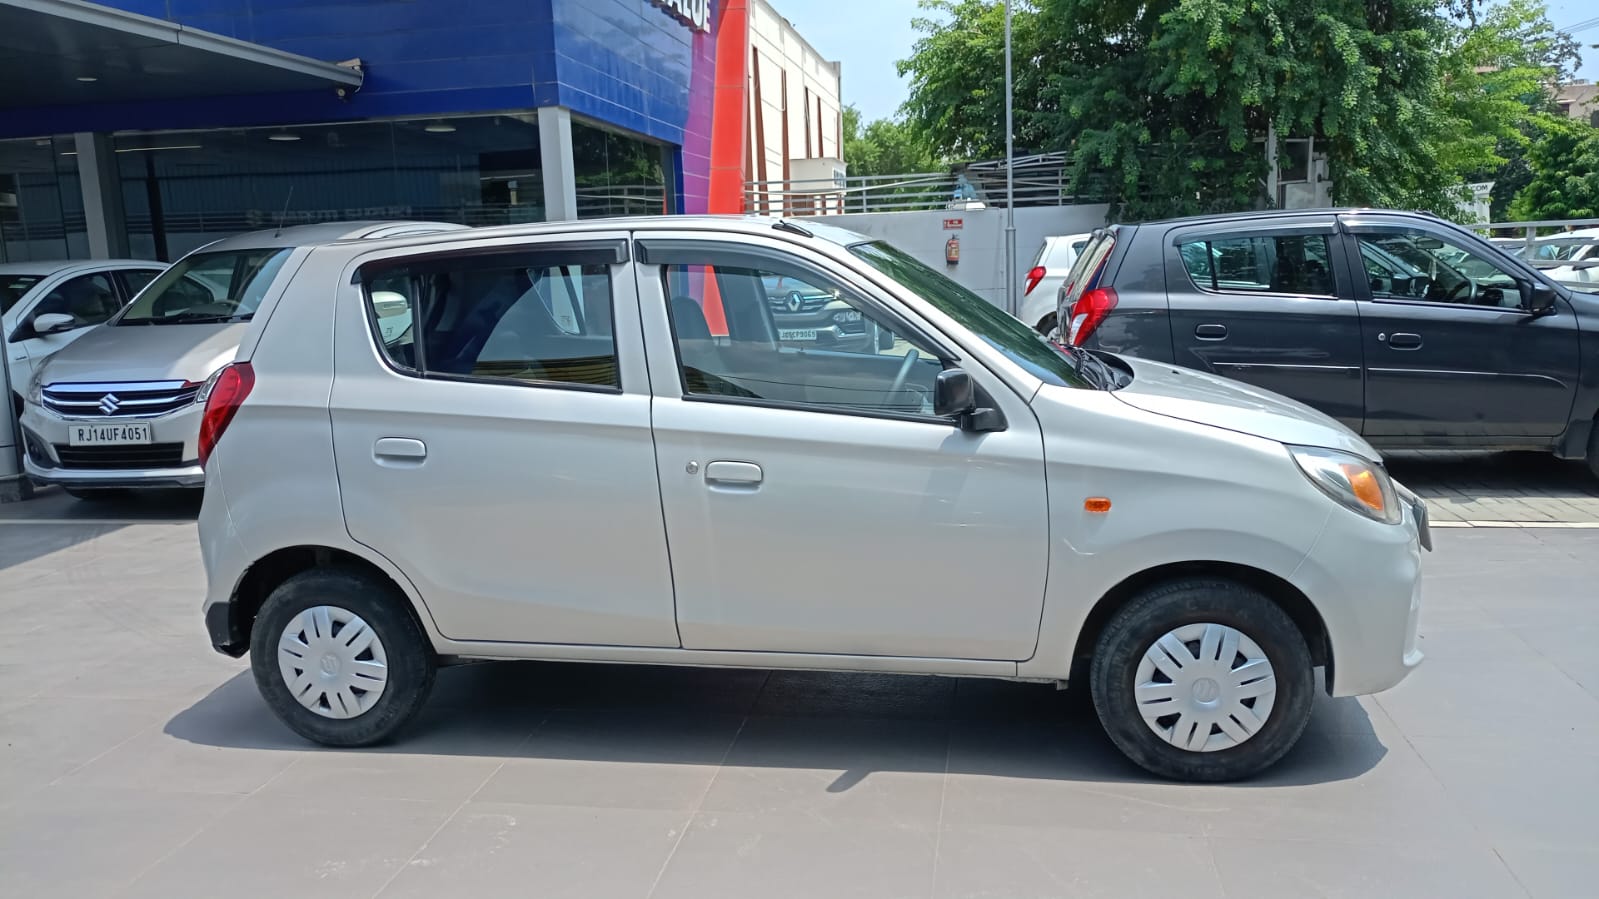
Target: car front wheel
x,y
1202,680
339,659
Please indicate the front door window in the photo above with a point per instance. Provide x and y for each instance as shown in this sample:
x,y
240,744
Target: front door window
x,y
1406,264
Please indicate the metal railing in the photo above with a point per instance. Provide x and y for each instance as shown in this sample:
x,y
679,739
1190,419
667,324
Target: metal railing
x,y
1042,180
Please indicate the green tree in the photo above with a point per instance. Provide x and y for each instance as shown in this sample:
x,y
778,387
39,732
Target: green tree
x,y
1564,160
884,147
1171,100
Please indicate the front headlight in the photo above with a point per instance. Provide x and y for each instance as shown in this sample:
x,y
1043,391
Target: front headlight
x,y
1355,483
35,390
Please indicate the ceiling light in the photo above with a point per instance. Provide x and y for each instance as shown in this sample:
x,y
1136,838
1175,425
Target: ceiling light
x,y
283,136
439,128
88,79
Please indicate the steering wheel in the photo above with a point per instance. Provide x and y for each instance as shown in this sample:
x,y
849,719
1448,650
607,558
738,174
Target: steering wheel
x,y
1455,292
900,378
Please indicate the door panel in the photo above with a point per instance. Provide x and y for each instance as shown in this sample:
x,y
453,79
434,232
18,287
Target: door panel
x,y
825,510
1265,306
513,483
1449,352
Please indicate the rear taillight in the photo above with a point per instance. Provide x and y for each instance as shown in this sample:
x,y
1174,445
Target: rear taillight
x,y
223,395
1033,277
1089,311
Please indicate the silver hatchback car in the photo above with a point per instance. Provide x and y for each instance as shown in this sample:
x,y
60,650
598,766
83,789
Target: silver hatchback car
x,y
591,441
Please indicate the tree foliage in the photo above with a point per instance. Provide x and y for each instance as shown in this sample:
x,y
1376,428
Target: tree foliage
x,y
1564,160
883,147
1172,99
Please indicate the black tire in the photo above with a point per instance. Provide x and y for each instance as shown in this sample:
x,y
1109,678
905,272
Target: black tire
x,y
410,659
1136,627
1593,449
1046,325
96,494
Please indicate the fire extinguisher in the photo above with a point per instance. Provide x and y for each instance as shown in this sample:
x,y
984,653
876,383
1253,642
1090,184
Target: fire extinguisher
x,y
952,250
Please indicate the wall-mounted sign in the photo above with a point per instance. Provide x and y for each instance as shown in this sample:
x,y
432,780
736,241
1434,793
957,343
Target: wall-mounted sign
x,y
954,224
695,14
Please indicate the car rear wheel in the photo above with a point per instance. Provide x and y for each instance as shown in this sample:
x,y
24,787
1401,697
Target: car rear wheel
x,y
1202,680
339,659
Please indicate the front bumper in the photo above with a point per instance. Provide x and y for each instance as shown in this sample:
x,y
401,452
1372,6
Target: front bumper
x,y
45,440
1364,577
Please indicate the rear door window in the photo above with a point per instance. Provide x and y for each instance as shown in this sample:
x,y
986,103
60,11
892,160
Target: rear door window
x,y
513,317
1296,264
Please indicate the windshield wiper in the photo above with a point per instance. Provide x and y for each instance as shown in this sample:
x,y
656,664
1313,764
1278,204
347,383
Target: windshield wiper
x,y
199,318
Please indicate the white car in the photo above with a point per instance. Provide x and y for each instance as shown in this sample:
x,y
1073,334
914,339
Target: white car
x,y
662,479
1043,282
44,306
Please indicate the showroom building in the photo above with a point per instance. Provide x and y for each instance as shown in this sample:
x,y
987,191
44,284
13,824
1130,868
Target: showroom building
x,y
150,127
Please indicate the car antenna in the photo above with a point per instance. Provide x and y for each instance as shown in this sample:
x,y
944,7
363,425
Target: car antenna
x,y
285,213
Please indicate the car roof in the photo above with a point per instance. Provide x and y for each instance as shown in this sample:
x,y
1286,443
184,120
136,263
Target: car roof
x,y
1281,213
327,232
744,224
46,267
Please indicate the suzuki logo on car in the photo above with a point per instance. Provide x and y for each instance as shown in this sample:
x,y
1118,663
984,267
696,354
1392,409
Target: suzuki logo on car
x,y
109,404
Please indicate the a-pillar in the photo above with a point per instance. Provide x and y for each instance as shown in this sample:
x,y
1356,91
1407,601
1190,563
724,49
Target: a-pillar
x,y
101,185
555,158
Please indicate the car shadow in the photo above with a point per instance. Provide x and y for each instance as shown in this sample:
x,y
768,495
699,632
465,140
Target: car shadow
x,y
852,723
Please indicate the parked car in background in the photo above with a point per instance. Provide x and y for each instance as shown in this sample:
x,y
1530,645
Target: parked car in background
x,y
120,407
44,306
808,315
1408,329
969,498
1045,278
1570,258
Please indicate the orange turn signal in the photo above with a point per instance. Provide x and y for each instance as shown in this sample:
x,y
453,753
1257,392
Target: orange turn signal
x,y
1364,484
1096,504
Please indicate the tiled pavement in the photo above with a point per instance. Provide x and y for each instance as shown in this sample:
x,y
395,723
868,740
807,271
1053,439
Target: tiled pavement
x,y
1501,489
136,762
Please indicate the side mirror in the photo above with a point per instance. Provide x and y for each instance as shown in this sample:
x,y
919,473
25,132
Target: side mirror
x,y
1540,299
885,338
53,323
954,393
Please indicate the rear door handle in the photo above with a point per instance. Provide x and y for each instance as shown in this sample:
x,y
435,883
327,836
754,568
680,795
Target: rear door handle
x,y
399,450
1211,332
740,473
1402,340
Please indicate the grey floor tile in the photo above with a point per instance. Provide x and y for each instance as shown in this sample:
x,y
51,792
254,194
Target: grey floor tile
x,y
1272,869
773,857
384,775
276,846
47,738
1527,789
1549,873
72,842
1045,863
500,849
158,757
889,772
619,759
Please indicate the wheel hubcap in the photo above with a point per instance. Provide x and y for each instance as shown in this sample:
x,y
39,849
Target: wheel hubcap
x,y
1204,687
333,662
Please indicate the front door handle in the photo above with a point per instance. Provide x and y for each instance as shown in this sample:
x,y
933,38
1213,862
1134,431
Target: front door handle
x,y
1402,340
1211,332
399,450
742,473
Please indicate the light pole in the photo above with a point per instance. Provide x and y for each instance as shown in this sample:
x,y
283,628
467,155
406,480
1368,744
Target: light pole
x,y
1010,182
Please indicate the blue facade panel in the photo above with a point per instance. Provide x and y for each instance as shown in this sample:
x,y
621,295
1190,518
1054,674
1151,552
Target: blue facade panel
x,y
624,63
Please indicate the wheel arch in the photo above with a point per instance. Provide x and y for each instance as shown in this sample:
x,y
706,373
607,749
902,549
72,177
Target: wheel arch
x,y
1289,598
271,570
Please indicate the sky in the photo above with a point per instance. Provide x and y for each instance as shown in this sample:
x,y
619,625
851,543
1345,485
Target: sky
x,y
869,36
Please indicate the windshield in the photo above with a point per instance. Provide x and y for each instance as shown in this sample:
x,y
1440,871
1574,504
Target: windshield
x,y
207,287
12,287
1019,343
